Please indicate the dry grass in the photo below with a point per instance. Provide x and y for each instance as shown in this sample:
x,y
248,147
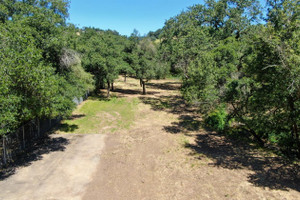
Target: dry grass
x,y
167,154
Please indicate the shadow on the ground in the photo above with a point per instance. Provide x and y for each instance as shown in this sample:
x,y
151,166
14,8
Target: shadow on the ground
x,y
76,116
271,172
185,124
126,92
230,153
65,127
36,152
187,120
165,86
173,104
100,96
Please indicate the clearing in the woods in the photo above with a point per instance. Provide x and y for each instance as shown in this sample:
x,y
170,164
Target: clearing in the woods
x,y
155,147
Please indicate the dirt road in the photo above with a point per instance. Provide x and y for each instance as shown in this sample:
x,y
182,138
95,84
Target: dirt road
x,y
165,154
62,173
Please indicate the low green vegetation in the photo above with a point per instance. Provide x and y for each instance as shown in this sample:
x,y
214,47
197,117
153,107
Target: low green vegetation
x,y
217,119
101,116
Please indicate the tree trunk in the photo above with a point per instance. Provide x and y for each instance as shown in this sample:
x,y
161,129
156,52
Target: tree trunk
x,y
258,139
108,89
4,150
125,77
30,132
99,85
38,126
144,87
297,138
102,84
294,126
248,129
141,82
23,137
112,86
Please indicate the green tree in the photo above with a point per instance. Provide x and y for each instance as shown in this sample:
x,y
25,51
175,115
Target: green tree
x,y
274,69
252,68
36,81
148,66
103,55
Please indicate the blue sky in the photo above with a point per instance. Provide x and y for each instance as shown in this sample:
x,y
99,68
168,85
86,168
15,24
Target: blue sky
x,y
126,15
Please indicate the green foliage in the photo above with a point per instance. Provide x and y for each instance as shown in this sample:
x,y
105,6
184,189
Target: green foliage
x,y
217,119
103,54
227,58
43,61
145,62
36,81
154,35
29,80
204,93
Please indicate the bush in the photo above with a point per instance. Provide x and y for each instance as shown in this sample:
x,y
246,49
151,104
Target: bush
x,y
217,119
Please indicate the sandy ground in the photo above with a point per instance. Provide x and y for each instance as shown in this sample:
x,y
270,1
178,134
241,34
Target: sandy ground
x,y
63,173
164,155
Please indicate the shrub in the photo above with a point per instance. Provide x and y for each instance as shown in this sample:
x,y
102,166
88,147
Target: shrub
x,y
217,119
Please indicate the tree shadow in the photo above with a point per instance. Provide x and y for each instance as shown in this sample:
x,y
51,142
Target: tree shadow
x,y
237,153
188,119
228,152
126,92
65,127
76,116
101,96
271,172
185,124
34,153
174,104
165,86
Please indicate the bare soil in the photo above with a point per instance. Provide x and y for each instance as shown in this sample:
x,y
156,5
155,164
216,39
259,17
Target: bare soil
x,y
167,154
61,169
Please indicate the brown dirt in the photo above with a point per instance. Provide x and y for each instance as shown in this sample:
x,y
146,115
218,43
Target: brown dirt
x,y
60,169
167,155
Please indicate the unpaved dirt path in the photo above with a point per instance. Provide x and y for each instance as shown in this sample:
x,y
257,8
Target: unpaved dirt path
x,y
166,155
61,174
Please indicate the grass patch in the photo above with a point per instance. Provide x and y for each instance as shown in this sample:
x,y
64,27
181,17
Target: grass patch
x,y
184,141
101,116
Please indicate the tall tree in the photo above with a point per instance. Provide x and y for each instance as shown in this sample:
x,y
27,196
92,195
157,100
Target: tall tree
x,y
103,55
35,83
148,66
